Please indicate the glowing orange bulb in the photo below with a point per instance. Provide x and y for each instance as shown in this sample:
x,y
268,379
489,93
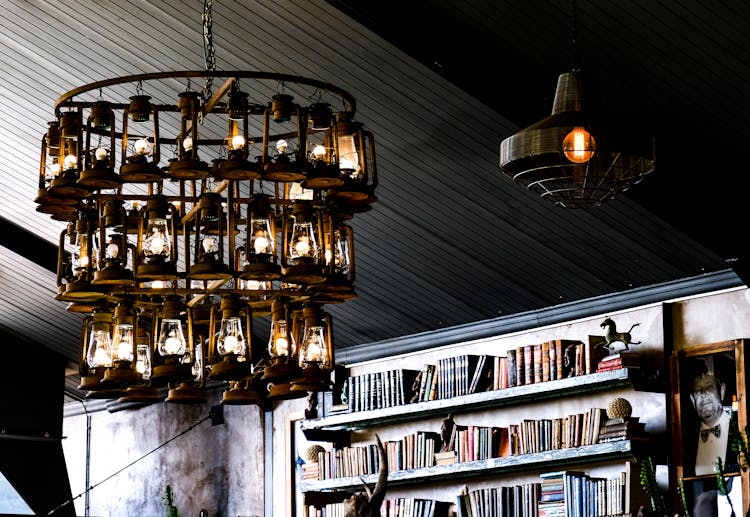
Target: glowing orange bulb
x,y
579,146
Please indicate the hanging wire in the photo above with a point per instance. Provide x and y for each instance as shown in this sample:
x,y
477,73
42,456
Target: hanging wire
x,y
185,431
573,30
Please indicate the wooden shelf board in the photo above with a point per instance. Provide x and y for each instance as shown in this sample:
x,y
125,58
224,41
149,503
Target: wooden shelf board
x,y
582,384
543,461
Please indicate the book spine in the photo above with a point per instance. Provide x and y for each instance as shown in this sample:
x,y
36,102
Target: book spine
x,y
558,359
441,378
462,377
359,402
520,367
502,362
537,367
400,394
433,384
552,360
580,359
372,391
351,394
510,362
528,364
422,383
496,372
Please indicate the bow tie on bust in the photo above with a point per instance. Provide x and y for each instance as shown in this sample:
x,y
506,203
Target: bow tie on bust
x,y
705,433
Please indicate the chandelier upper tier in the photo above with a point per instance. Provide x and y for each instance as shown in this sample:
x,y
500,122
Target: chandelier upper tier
x,y
189,213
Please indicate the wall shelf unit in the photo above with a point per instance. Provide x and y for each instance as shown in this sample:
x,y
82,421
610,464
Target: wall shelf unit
x,y
324,428
613,457
624,450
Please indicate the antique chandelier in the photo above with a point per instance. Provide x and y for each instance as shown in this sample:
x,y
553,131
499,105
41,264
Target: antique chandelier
x,y
191,216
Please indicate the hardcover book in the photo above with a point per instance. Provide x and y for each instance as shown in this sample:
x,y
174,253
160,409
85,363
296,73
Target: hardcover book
x,y
545,362
537,367
528,364
623,359
511,360
483,374
571,359
520,367
502,372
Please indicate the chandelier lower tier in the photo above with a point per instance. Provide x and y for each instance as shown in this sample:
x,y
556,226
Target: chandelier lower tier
x,y
191,214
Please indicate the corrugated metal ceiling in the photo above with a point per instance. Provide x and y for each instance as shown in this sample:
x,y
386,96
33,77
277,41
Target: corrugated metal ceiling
x,y
440,84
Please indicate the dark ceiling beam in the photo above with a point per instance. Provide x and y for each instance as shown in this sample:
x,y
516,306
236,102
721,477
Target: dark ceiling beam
x,y
31,416
27,244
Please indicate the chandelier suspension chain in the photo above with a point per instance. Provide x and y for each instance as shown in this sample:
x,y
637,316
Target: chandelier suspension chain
x,y
209,52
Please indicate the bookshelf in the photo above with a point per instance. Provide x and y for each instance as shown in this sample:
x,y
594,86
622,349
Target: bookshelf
x,y
328,428
624,450
337,428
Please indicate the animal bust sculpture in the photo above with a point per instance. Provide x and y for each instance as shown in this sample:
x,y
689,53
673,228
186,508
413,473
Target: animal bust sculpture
x,y
369,503
613,336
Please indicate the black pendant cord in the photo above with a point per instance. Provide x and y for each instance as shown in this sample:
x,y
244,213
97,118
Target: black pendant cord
x,y
573,29
185,431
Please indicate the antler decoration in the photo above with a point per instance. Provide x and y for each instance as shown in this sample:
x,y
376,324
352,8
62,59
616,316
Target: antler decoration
x,y
368,504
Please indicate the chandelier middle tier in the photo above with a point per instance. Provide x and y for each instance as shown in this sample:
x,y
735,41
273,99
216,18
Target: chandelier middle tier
x,y
210,207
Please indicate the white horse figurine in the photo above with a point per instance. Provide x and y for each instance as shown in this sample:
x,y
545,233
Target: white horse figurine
x,y
612,336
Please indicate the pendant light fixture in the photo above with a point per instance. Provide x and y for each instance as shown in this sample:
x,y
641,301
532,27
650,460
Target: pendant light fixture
x,y
576,157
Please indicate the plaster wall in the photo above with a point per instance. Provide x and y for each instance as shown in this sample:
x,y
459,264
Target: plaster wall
x,y
134,454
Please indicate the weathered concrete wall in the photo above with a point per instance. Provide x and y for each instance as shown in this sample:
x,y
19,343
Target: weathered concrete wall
x,y
217,468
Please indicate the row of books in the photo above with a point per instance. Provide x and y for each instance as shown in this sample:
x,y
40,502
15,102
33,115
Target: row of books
x,y
569,493
394,507
414,507
413,451
546,434
565,493
533,435
504,501
553,360
358,460
456,376
475,443
377,390
473,373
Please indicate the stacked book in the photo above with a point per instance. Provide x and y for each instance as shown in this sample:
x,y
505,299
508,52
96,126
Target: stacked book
x,y
618,360
551,497
623,428
310,470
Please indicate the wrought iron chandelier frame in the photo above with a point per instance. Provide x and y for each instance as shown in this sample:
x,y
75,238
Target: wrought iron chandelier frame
x,y
314,166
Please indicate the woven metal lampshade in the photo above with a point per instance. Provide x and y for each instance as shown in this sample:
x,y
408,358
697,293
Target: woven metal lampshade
x,y
609,162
